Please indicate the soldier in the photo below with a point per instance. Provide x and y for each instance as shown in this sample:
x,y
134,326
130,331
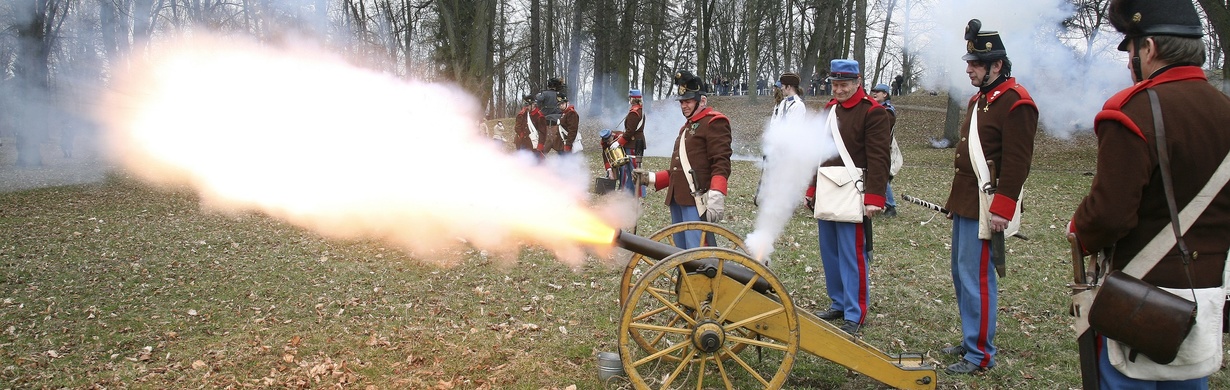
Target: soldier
x,y
551,103
881,94
526,133
1127,205
845,248
985,191
569,123
632,140
695,183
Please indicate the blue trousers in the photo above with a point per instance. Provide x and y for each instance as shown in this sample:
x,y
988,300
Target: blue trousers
x,y
845,258
888,194
977,288
1111,379
688,239
624,176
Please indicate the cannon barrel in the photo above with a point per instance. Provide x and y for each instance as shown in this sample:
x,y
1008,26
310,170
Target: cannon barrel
x,y
658,251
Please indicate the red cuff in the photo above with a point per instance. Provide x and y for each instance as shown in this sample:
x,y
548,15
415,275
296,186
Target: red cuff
x,y
621,141
718,183
1003,206
567,148
811,192
1072,231
540,147
661,179
873,200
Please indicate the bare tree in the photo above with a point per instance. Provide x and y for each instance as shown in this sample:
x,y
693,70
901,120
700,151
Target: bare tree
x,y
36,26
1218,12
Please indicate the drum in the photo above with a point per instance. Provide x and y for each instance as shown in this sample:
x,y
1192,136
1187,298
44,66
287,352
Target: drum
x,y
617,157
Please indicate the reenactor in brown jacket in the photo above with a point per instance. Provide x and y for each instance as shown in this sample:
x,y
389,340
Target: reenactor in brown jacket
x,y
569,123
866,130
1127,204
1003,119
695,183
523,139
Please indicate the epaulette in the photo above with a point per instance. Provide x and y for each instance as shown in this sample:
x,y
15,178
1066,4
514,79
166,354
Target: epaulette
x,y
1113,108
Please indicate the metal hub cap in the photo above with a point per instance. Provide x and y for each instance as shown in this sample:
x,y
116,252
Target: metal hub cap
x,y
708,336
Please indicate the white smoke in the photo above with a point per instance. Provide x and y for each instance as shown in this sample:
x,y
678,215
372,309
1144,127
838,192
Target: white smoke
x,y
793,150
1068,82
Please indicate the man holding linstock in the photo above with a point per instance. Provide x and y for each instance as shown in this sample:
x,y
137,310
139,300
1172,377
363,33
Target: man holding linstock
x,y
992,162
1162,148
525,126
695,183
862,130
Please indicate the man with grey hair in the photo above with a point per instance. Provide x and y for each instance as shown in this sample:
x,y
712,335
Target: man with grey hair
x,y
1171,118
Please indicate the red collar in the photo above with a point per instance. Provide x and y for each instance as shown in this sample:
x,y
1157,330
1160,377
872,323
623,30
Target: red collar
x,y
859,95
696,117
999,90
1178,73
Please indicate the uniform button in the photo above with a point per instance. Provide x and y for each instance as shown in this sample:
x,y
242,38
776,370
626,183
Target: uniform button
x,y
962,139
958,155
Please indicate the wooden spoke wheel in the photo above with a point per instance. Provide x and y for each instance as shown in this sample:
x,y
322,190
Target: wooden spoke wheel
x,y
690,329
713,233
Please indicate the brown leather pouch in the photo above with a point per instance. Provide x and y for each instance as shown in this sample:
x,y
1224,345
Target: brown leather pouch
x,y
1152,321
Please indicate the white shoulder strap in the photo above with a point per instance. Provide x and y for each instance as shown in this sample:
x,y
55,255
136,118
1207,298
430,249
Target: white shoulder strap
x,y
977,157
841,146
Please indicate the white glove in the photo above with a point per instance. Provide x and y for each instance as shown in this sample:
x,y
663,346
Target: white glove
x,y
614,144
643,176
716,206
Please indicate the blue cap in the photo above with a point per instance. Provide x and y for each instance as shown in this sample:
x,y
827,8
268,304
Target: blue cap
x,y
634,93
843,70
881,87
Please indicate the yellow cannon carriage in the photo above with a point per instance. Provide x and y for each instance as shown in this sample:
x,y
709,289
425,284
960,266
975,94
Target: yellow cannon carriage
x,y
713,317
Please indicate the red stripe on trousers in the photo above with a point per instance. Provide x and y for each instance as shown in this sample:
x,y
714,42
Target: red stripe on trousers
x,y
984,287
862,272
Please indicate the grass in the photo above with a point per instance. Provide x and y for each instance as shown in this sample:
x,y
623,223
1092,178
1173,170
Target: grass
x,y
119,285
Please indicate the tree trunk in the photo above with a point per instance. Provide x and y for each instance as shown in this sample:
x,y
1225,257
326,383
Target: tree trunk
x,y
574,44
952,121
1219,18
537,81
888,22
653,48
33,77
860,34
754,11
705,9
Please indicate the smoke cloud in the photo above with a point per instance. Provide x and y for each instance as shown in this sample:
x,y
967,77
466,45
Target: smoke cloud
x,y
1069,79
793,150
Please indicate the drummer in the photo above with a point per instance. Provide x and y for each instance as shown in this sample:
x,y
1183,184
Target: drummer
x,y
630,142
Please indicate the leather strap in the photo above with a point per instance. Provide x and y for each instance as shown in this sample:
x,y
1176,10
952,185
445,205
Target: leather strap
x,y
1163,160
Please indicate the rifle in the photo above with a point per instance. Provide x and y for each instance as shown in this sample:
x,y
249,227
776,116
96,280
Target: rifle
x,y
1086,340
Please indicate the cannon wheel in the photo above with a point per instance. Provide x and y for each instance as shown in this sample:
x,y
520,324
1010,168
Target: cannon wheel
x,y
701,345
639,263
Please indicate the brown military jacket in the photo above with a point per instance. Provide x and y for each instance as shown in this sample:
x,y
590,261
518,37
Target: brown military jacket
x,y
707,133
867,129
570,123
540,125
633,128
1126,206
522,130
1007,123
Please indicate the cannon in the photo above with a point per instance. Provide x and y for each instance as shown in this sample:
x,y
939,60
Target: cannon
x,y
713,317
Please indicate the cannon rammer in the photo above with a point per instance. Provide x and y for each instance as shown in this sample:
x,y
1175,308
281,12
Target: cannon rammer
x,y
713,317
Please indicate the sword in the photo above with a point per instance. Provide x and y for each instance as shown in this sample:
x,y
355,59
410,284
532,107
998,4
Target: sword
x,y
998,253
940,209
1086,341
